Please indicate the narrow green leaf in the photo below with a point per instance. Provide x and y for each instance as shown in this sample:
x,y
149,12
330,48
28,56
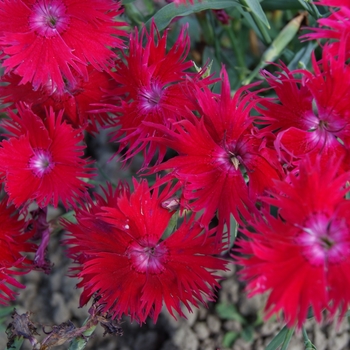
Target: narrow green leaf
x,y
278,339
17,344
166,14
255,7
277,46
272,5
287,339
6,311
302,57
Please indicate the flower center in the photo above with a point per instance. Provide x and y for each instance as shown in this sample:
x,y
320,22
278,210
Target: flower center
x,y
150,97
41,162
49,18
324,239
148,257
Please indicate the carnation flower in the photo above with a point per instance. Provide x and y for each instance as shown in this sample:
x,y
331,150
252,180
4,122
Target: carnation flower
x,y
302,256
154,85
312,113
218,154
338,23
46,41
42,159
125,262
76,99
13,242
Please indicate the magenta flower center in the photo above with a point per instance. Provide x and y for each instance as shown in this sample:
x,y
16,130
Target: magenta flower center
x,y
148,257
230,159
325,126
49,18
150,97
41,162
325,240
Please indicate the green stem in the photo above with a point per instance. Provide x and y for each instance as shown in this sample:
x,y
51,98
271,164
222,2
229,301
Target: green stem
x,y
217,46
80,342
242,67
307,341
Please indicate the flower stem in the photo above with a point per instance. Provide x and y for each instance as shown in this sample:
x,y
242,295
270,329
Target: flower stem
x,y
307,341
242,67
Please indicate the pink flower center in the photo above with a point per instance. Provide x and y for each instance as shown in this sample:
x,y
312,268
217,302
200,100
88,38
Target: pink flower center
x,y
324,240
49,18
41,162
148,257
325,126
150,97
230,159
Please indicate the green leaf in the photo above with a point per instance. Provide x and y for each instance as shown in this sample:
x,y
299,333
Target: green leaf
x,y
302,57
248,334
229,339
232,235
277,46
255,7
79,343
287,339
5,311
17,344
229,312
284,334
272,5
166,14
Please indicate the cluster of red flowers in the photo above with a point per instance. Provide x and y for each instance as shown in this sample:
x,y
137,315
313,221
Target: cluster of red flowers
x,y
67,72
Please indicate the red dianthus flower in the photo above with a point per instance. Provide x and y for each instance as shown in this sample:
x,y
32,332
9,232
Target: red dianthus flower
x,y
45,41
42,159
154,85
338,23
312,115
218,154
76,100
13,242
303,256
124,260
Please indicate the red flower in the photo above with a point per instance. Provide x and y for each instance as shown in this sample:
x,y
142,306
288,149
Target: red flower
x,y
76,99
130,268
153,83
338,23
42,160
45,41
303,256
13,241
312,115
218,155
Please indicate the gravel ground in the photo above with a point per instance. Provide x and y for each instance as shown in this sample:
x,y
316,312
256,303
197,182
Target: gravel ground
x,y
53,299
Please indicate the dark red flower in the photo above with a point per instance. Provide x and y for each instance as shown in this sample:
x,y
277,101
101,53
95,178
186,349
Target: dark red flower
x,y
76,100
13,247
154,85
132,270
218,154
42,159
45,41
302,257
312,113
